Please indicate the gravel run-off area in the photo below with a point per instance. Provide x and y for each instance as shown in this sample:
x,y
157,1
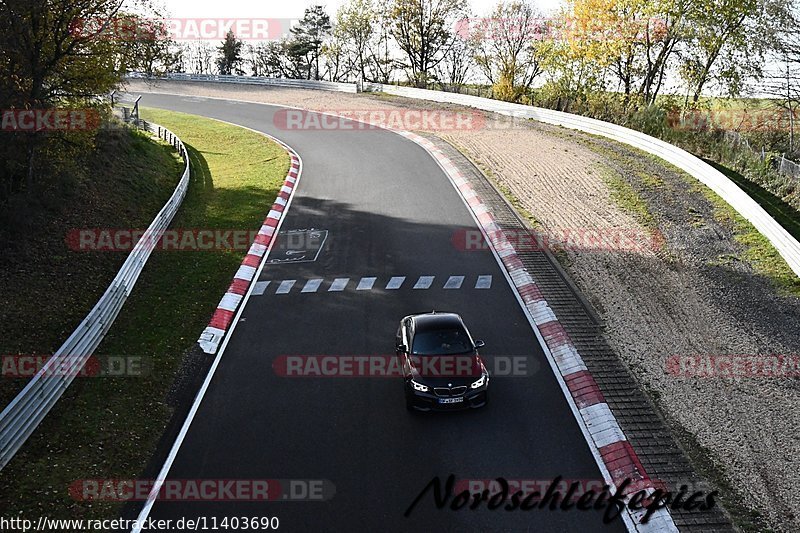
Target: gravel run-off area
x,y
690,295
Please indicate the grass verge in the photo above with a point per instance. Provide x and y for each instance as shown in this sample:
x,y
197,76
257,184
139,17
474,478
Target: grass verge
x,y
756,249
109,428
786,215
625,196
46,286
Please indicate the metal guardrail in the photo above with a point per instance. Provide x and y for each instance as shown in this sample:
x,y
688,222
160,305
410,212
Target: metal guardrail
x,y
25,412
272,82
781,239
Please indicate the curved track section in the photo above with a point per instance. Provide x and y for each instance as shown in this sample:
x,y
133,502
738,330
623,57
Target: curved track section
x,y
389,212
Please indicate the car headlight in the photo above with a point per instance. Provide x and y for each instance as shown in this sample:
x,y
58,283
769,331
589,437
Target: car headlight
x,y
419,386
480,382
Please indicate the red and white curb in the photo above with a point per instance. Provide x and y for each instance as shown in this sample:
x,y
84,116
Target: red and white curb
x,y
614,454
220,322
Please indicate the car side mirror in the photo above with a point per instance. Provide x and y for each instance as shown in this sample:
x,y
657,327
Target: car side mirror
x,y
479,344
401,348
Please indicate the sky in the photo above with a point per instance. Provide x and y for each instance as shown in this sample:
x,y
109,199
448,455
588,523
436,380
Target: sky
x,y
291,8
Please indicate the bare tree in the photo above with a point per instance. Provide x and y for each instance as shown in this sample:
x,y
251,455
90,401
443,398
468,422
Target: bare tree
x,y
457,64
507,47
783,84
424,31
353,31
663,32
382,63
338,62
198,57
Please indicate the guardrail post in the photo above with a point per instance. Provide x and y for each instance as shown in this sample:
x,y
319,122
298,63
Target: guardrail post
x,y
136,107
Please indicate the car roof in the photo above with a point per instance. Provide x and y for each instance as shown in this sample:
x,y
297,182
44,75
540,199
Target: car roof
x,y
436,321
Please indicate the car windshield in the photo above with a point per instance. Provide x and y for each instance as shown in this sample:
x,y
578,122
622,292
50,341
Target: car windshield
x,y
441,342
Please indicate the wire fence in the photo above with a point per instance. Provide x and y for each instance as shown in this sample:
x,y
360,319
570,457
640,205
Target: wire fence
x,y
789,168
784,166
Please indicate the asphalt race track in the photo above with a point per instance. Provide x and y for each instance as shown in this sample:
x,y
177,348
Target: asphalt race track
x,y
389,212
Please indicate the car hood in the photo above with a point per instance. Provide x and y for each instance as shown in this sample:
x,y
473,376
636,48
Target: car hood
x,y
444,370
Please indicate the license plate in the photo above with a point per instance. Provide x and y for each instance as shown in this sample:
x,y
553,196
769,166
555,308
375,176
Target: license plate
x,y
451,400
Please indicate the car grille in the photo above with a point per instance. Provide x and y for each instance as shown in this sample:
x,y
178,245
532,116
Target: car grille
x,y
446,392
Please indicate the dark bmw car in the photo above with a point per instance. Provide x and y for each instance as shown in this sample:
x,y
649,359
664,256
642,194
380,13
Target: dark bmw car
x,y
440,363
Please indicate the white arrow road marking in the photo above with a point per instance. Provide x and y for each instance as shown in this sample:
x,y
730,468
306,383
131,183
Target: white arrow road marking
x,y
312,285
454,282
285,286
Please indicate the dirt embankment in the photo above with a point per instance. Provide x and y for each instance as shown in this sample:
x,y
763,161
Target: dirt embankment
x,y
694,296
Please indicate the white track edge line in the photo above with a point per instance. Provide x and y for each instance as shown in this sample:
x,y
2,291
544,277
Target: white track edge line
x,y
631,526
159,481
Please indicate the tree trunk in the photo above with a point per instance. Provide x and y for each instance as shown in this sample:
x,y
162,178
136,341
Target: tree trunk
x,y
697,91
29,171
